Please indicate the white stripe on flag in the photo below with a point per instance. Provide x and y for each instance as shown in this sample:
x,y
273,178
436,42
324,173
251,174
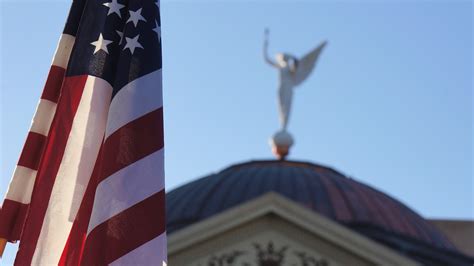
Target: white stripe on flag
x,y
43,117
63,51
74,171
127,187
152,251
21,185
134,100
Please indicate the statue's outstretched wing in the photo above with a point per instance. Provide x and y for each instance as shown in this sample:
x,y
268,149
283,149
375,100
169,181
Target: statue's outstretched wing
x,y
306,64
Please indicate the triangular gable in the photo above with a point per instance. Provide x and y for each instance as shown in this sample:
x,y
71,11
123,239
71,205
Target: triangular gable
x,y
275,229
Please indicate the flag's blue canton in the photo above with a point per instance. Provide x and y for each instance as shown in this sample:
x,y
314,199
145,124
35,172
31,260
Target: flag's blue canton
x,y
118,40
74,17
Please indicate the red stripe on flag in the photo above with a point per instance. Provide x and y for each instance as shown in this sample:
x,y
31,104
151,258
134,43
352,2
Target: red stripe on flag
x,y
126,231
52,88
61,126
31,153
132,142
12,218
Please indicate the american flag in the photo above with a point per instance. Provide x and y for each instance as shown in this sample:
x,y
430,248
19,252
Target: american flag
x,y
89,185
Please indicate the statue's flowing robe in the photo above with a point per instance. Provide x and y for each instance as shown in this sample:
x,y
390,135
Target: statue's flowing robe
x,y
285,95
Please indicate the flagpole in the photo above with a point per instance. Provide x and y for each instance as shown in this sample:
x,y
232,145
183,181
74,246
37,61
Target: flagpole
x,y
3,243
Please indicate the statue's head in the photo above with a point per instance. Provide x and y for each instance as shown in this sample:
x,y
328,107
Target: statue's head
x,y
284,59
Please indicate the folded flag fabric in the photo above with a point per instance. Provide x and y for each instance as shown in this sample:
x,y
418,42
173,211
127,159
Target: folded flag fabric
x,y
89,185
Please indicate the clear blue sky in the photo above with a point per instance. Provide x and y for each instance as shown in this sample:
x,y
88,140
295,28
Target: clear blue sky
x,y
389,104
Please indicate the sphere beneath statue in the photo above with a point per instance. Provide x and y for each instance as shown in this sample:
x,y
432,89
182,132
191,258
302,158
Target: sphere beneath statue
x,y
281,143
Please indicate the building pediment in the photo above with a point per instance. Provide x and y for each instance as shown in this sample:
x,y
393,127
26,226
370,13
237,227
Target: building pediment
x,y
272,230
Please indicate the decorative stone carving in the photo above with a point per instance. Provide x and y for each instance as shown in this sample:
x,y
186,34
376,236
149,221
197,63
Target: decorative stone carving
x,y
267,254
308,260
226,259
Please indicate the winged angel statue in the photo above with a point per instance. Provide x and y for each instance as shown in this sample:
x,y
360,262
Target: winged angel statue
x,y
293,72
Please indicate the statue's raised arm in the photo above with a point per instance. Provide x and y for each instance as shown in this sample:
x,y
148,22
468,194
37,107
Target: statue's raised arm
x,y
265,51
306,64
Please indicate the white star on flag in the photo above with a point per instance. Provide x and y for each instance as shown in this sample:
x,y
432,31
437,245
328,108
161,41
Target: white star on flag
x,y
157,30
136,16
101,44
132,43
114,7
